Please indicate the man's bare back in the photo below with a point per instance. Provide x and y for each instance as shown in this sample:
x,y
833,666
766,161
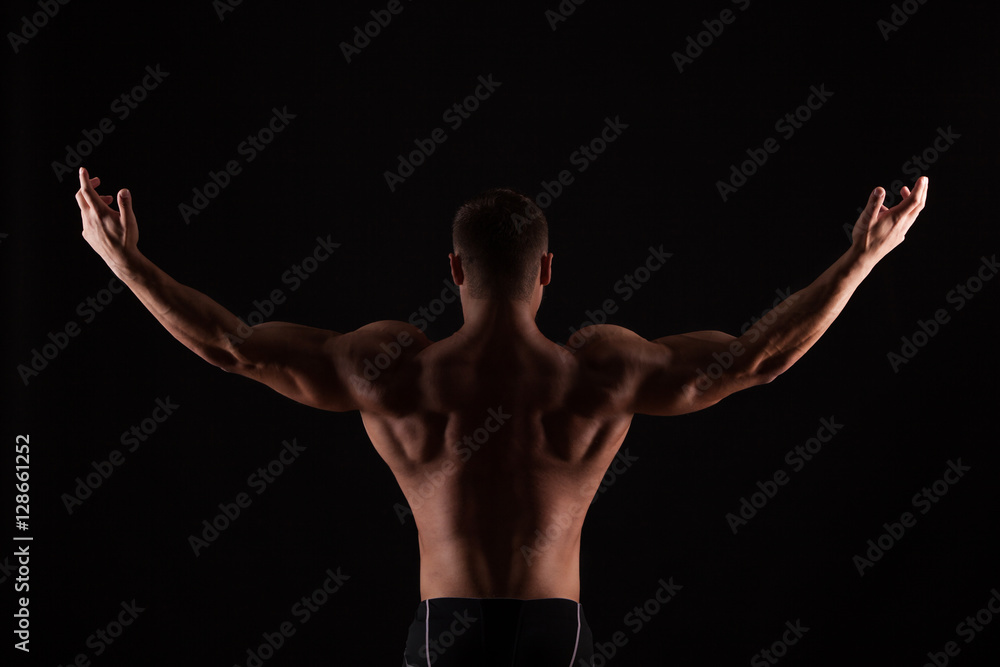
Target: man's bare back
x,y
497,436
499,444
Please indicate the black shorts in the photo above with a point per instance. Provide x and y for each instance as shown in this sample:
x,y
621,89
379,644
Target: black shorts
x,y
495,632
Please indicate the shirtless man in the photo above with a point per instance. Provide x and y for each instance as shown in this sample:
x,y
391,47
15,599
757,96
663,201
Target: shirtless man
x,y
515,431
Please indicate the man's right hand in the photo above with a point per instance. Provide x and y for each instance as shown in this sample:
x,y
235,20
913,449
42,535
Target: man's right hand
x,y
111,234
880,229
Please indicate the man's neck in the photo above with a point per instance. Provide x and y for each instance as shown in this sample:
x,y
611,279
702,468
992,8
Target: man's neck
x,y
498,318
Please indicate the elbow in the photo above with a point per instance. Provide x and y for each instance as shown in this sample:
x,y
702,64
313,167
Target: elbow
x,y
228,360
224,366
237,368
766,370
765,377
226,363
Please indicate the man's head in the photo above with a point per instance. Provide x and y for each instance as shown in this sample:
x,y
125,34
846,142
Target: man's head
x,y
501,240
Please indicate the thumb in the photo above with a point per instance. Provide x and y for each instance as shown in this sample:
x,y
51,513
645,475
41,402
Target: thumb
x,y
125,205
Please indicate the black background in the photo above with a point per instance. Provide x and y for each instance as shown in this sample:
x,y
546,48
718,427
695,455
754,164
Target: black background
x,y
656,184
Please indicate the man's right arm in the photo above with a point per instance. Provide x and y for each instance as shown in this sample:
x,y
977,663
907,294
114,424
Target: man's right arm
x,y
679,374
316,367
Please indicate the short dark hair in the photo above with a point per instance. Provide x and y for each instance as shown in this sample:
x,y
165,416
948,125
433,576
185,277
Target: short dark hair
x,y
501,235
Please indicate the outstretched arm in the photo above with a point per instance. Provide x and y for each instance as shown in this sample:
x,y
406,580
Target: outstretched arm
x,y
309,365
679,374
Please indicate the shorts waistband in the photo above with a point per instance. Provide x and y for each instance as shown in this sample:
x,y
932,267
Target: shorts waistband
x,y
449,597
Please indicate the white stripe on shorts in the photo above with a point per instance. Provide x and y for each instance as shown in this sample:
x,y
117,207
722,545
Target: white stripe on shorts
x,y
427,632
576,646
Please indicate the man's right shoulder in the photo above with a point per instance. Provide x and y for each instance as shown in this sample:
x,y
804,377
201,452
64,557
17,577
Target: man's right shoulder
x,y
385,345
384,332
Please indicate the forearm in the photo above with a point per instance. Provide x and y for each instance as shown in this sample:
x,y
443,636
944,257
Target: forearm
x,y
774,344
201,324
